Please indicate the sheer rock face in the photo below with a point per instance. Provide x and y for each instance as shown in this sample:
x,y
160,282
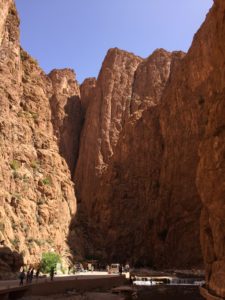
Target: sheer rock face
x,y
104,119
67,115
150,79
138,184
128,193
211,169
179,205
129,208
36,194
191,122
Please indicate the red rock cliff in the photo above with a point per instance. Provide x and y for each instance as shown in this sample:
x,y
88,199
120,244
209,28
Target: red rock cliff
x,y
191,130
35,180
104,119
138,195
210,176
130,204
67,114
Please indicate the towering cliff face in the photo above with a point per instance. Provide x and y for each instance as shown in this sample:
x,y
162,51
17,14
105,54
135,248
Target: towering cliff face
x,y
190,129
35,181
179,205
67,114
129,208
148,210
167,205
127,195
210,176
104,119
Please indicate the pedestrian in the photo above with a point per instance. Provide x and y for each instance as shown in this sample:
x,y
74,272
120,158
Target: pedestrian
x,y
52,272
127,268
28,275
120,269
22,276
131,279
108,269
31,275
37,273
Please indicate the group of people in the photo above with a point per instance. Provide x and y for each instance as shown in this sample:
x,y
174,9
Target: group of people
x,y
28,275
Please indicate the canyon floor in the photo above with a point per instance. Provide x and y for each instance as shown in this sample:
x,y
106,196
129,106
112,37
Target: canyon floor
x,y
109,287
153,293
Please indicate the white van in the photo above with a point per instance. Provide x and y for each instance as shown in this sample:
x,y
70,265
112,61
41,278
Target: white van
x,y
114,269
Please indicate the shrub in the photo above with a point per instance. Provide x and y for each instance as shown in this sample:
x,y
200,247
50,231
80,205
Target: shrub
x,y
47,181
16,175
15,242
35,164
49,260
34,115
15,165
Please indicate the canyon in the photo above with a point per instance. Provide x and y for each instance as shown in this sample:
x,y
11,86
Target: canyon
x,y
127,167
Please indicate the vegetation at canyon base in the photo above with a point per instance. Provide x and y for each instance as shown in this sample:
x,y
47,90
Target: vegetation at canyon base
x,y
49,260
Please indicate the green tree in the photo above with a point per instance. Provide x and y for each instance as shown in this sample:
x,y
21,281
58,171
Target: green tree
x,y
49,260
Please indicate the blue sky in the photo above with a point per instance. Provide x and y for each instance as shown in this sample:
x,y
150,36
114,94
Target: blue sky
x,y
78,33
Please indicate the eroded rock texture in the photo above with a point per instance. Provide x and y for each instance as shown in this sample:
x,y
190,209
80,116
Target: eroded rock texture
x,y
36,194
104,119
67,114
139,202
87,91
128,214
210,177
147,184
190,137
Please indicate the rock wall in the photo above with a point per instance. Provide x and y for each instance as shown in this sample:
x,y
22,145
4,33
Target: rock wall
x,y
128,192
87,91
104,119
190,139
147,184
127,203
67,114
35,180
210,175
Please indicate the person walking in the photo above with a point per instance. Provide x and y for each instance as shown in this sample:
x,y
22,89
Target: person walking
x,y
37,273
31,275
131,279
120,269
28,276
22,276
52,272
